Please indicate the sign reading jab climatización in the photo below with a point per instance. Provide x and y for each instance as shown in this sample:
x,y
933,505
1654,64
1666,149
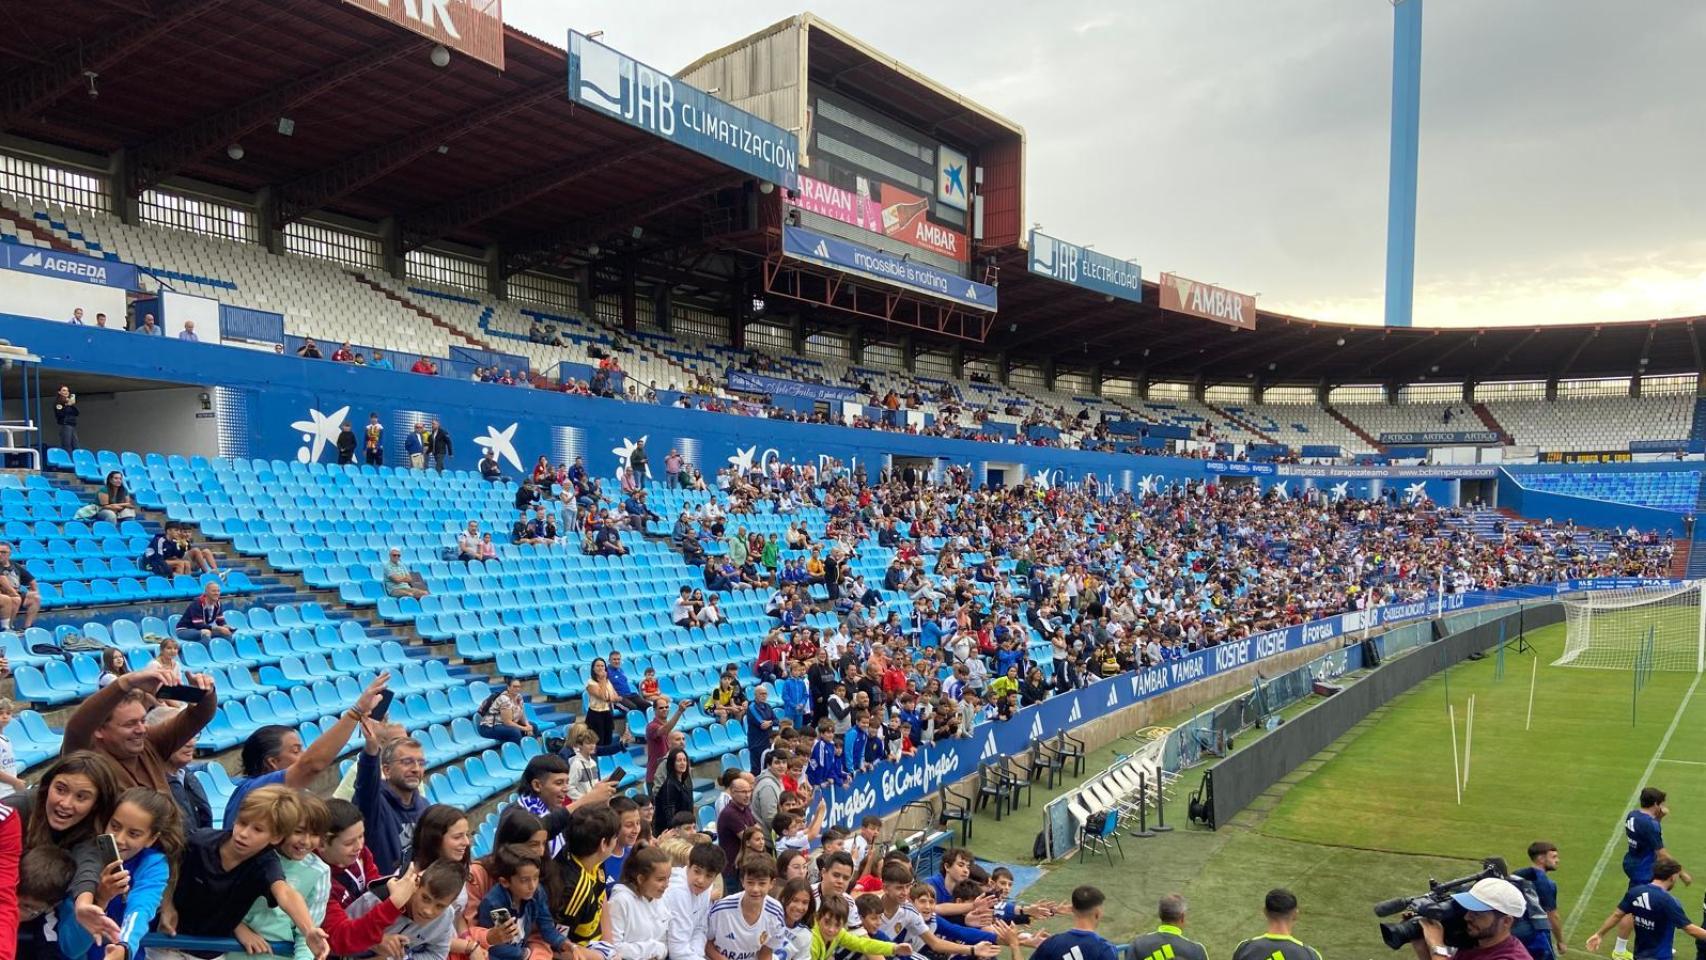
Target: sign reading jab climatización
x,y
617,84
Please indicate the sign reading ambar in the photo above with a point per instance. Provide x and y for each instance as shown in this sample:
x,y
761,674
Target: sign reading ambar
x,y
679,112
473,27
1207,301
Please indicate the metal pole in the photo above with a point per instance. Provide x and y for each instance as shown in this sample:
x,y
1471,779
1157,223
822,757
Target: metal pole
x,y
1403,163
1160,803
1143,831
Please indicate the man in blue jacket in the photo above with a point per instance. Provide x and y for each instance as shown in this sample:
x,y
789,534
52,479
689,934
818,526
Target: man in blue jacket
x,y
387,792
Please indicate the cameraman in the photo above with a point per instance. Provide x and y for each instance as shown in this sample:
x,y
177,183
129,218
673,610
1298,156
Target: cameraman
x,y
1281,909
1492,906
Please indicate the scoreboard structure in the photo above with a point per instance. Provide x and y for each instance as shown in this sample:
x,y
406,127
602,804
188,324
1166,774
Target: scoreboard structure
x,y
902,182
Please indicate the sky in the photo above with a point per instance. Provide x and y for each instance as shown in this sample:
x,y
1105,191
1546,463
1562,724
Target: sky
x,y
1244,142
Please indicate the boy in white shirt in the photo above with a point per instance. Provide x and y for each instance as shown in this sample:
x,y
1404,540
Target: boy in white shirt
x,y
687,902
10,782
583,766
747,925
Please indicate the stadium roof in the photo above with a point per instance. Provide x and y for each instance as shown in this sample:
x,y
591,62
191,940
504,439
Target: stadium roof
x,y
1043,317
463,152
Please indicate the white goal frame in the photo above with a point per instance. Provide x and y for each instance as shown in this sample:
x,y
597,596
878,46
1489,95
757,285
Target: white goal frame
x,y
1583,612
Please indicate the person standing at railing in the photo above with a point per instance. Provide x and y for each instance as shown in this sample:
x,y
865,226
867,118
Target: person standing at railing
x,y
65,413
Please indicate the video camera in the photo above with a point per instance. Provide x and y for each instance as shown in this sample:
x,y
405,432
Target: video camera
x,y
1436,905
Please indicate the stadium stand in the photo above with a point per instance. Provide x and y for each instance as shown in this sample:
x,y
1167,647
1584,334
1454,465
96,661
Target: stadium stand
x,y
1672,490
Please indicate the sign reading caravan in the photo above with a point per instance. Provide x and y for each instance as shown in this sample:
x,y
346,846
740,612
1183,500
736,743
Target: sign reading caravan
x,y
681,113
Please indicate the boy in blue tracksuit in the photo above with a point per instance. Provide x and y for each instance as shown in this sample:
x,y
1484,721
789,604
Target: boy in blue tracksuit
x,y
797,696
825,763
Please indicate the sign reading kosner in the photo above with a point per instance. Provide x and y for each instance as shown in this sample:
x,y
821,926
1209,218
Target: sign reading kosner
x,y
657,103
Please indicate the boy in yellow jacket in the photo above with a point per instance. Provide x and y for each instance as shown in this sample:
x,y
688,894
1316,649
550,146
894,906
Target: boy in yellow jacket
x,y
830,934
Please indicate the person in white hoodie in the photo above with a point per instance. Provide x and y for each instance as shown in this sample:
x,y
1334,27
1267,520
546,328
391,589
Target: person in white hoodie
x,y
687,902
635,920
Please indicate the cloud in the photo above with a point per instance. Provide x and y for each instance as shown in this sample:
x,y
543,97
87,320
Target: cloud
x,y
1248,142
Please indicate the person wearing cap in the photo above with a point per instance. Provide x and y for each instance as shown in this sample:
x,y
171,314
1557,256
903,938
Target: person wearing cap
x,y
1492,906
1280,906
1653,913
1169,942
399,579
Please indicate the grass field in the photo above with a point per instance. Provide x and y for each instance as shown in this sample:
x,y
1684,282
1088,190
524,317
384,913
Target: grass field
x,y
1376,814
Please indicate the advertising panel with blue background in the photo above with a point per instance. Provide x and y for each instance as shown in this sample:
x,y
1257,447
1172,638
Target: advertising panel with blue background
x,y
67,266
884,267
1083,267
617,84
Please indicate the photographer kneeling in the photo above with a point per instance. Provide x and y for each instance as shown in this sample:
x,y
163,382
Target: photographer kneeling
x,y
1492,906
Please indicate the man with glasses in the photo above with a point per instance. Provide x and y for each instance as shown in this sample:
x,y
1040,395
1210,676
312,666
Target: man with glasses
x,y
399,579
387,792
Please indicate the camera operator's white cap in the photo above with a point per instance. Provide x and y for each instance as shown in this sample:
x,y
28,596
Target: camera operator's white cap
x,y
1495,895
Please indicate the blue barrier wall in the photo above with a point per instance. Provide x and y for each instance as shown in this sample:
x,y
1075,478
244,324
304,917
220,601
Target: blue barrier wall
x,y
1540,505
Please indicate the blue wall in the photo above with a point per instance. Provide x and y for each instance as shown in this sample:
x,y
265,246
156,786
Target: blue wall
x,y
1540,505
271,402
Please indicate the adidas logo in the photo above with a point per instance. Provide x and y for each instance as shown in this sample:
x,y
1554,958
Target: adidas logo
x,y
971,292
1642,902
989,748
821,250
1113,696
33,260
1076,714
1036,726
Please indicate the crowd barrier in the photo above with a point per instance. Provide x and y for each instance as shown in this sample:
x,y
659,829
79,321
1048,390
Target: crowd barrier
x,y
1244,775
885,790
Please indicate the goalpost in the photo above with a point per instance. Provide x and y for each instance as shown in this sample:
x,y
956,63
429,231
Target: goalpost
x,y
1659,628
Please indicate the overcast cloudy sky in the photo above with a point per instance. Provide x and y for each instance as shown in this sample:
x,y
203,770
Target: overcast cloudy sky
x,y
1244,142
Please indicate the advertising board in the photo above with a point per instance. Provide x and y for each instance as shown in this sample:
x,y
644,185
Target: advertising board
x,y
1208,301
882,208
1084,267
616,84
803,244
473,27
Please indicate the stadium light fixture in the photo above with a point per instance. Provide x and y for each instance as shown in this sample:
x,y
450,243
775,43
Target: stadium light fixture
x,y
594,35
637,232
234,151
592,249
286,126
440,56
1340,341
766,187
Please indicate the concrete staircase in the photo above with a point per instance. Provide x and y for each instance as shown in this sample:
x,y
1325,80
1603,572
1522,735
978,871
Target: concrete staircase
x,y
1242,423
1492,423
1351,425
430,317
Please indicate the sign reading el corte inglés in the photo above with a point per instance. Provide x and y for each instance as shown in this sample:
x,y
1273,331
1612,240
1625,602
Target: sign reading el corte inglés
x,y
1208,301
681,113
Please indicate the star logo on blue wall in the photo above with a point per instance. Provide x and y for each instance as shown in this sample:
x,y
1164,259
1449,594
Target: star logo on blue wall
x,y
623,452
954,182
318,431
742,459
1416,492
1341,490
501,443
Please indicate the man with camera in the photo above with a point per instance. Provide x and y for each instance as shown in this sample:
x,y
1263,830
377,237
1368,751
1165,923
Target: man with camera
x,y
1278,943
1491,907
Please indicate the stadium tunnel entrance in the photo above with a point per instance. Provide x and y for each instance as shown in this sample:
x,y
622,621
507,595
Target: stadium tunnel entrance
x,y
1486,490
127,413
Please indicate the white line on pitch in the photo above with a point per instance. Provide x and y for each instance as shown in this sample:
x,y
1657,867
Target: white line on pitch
x,y
1617,836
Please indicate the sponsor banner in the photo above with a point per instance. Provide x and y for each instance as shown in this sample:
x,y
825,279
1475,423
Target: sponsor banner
x,y
68,266
1658,446
886,209
1466,471
1440,438
1238,468
652,100
780,387
1083,267
1208,301
952,175
885,790
473,27
841,254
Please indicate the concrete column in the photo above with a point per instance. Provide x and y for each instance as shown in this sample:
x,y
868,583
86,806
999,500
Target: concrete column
x,y
266,215
120,170
663,306
957,357
797,335
496,286
1048,373
1323,391
1199,388
1468,391
856,343
630,296
908,359
1001,368
1552,388
391,247
1096,380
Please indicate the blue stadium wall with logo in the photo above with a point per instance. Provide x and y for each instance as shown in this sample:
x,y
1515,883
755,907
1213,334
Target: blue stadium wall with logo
x,y
271,402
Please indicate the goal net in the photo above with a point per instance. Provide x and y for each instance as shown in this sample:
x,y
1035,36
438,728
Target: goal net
x,y
1658,628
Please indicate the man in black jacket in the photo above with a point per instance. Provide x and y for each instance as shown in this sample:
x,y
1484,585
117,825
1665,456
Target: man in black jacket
x,y
438,445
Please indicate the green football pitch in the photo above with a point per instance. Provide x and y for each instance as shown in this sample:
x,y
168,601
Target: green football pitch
x,y
1376,814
